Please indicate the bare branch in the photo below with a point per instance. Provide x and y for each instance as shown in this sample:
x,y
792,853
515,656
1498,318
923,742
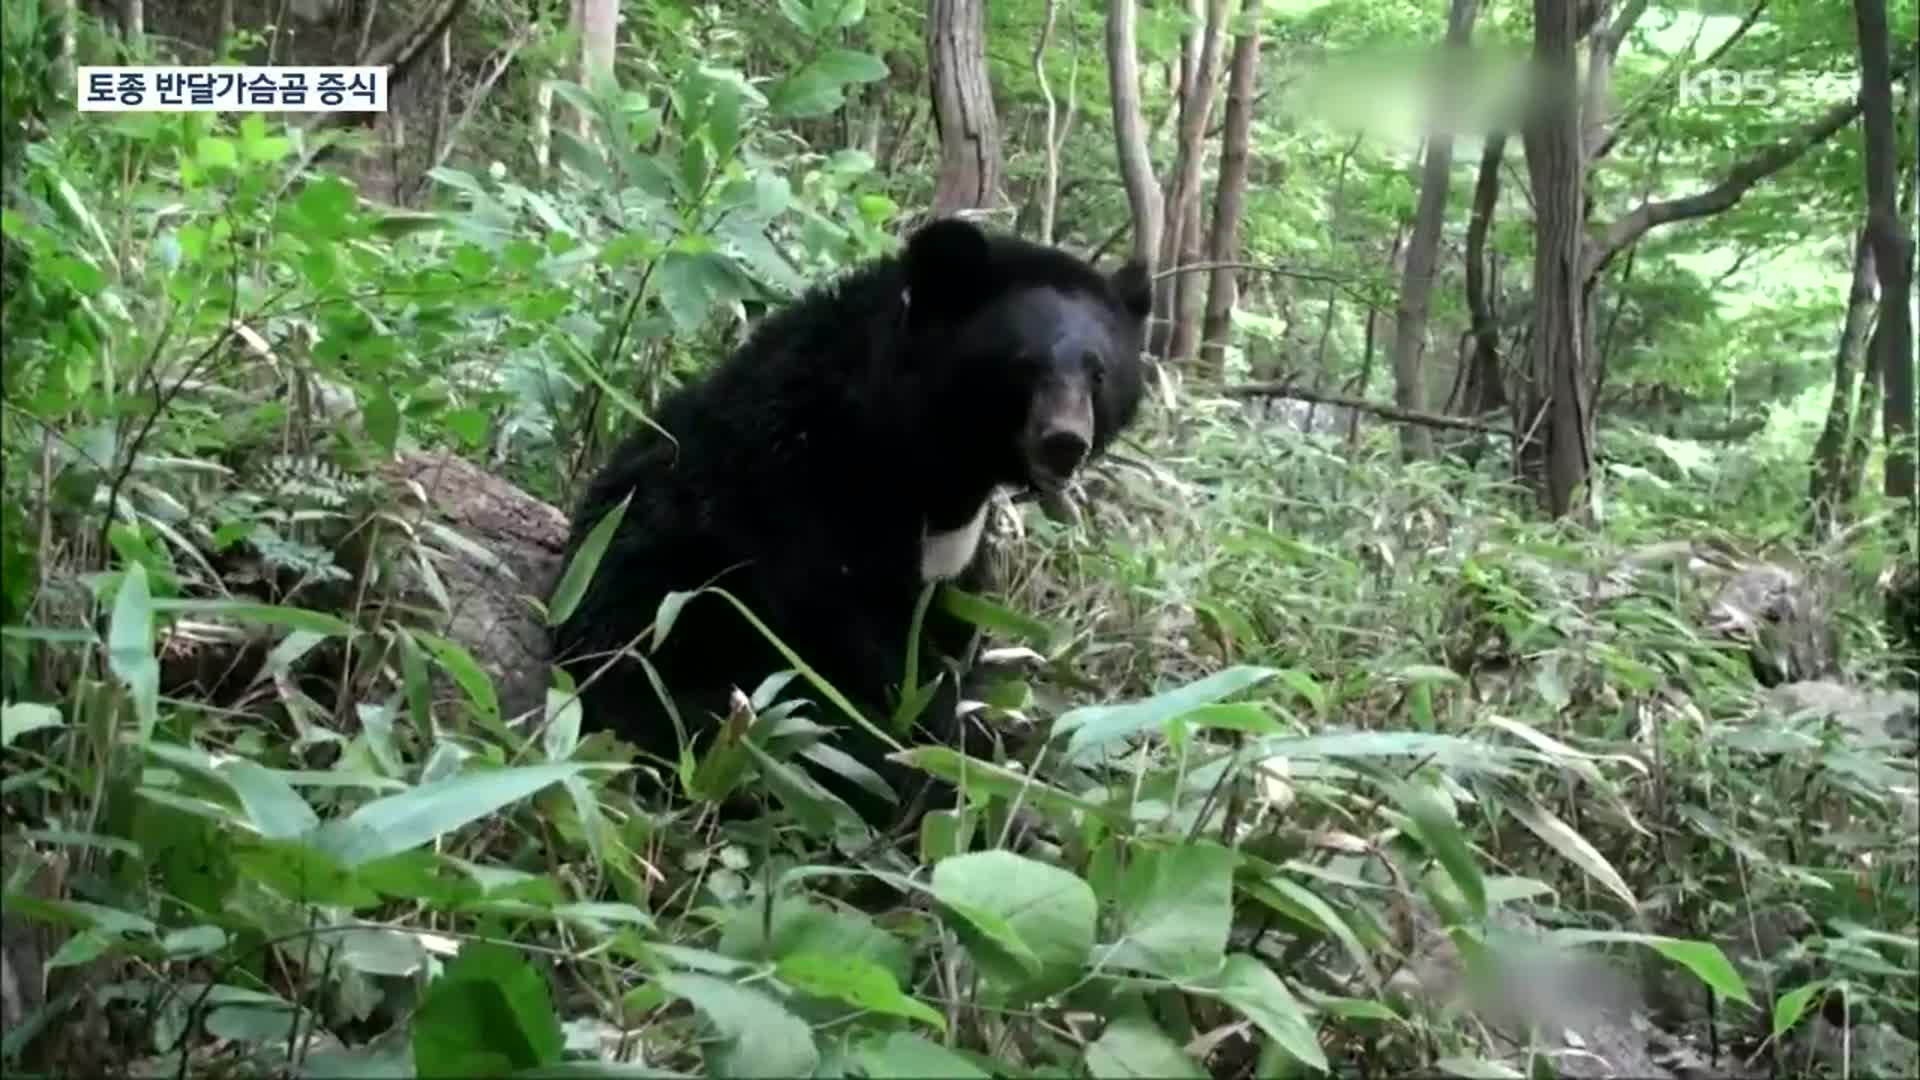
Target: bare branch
x,y
1389,412
1720,197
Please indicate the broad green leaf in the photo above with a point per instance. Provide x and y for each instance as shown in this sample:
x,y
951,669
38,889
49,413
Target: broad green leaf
x,y
272,805
382,418
1323,913
909,1056
858,982
584,563
1789,1007
398,823
1096,725
847,66
130,647
217,153
1704,959
491,1013
1250,986
1175,909
1132,1047
1016,905
758,1036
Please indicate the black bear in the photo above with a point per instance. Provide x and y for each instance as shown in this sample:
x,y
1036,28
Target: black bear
x,y
837,462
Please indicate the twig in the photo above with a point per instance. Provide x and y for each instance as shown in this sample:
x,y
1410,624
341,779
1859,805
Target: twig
x,y
1390,412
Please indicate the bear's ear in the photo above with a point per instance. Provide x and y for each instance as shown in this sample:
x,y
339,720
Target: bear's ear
x,y
946,262
1134,286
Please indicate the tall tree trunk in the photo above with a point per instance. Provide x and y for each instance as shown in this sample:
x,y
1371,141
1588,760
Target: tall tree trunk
x,y
133,21
1826,487
1892,257
1181,242
1230,193
1050,150
1554,427
1486,389
1130,130
963,116
1423,251
599,27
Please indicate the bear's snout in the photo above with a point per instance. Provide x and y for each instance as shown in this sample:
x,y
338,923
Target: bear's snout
x,y
1059,430
1061,451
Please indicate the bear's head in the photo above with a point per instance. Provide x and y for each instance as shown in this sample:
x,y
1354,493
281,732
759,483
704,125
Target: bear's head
x,y
1034,356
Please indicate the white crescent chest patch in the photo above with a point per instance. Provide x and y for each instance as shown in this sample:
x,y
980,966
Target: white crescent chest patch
x,y
943,555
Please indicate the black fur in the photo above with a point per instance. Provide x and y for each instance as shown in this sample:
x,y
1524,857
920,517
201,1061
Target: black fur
x,y
808,461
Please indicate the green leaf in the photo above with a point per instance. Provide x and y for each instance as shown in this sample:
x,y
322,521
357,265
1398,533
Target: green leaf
x,y
1132,1047
130,647
397,823
585,561
490,1013
1175,909
217,153
847,66
1017,908
275,809
982,776
1250,986
1096,725
19,718
801,16
758,1036
291,618
858,982
1564,839
1704,959
382,418
1436,830
461,666
805,94
303,873
998,618
1789,1007
194,941
325,203
907,1055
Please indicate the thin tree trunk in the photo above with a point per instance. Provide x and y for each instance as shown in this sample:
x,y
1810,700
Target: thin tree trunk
x,y
1486,389
1892,256
223,28
1130,131
970,161
1050,186
1826,482
1230,193
1554,426
597,41
1423,251
1181,243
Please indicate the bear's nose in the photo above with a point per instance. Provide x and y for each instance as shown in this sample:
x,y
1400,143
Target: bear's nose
x,y
1062,451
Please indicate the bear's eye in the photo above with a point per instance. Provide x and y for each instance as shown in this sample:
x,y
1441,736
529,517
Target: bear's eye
x,y
1096,371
